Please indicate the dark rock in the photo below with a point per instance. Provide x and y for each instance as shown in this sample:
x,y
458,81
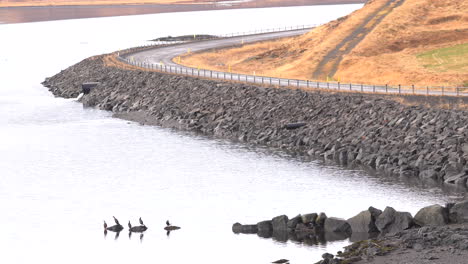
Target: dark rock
x,y
337,225
244,229
292,223
432,215
309,218
280,223
264,226
320,221
392,222
459,212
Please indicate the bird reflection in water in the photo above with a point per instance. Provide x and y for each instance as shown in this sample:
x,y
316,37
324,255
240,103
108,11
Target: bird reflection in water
x,y
117,234
141,236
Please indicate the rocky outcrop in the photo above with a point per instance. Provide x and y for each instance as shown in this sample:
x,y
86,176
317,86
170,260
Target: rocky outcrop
x,y
337,225
364,222
351,129
434,215
390,221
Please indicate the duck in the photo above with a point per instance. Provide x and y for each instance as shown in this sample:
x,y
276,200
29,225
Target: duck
x,y
115,228
138,229
170,227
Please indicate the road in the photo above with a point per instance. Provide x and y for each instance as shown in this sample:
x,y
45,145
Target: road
x,y
166,54
160,58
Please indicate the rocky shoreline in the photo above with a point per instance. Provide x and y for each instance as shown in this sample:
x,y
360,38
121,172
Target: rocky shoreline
x,y
377,233
353,130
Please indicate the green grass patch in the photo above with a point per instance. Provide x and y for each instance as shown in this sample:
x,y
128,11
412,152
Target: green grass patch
x,y
453,58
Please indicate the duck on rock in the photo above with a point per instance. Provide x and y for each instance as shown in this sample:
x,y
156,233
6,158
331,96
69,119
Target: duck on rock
x,y
170,227
137,229
115,228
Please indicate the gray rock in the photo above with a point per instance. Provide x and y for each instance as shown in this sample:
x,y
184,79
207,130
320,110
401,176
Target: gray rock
x,y
363,222
459,212
337,225
292,223
433,215
280,223
392,222
244,229
459,179
265,226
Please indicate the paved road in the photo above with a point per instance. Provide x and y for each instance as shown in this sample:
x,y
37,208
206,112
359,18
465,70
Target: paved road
x,y
165,55
160,58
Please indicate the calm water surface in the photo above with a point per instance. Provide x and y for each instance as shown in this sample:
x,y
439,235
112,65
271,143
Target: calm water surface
x,y
65,169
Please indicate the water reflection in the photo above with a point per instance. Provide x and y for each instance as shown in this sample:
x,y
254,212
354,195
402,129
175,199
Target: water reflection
x,y
117,234
130,235
309,237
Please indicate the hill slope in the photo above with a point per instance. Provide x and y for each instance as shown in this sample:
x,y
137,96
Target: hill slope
x,y
387,41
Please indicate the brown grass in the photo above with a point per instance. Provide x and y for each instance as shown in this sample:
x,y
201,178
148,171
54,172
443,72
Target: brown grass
x,y
388,54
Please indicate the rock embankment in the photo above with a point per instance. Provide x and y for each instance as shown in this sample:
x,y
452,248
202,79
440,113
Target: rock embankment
x,y
351,129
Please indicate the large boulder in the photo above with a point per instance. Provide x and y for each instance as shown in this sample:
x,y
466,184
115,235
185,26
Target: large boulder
x,y
337,225
292,223
244,229
364,222
309,219
434,215
280,222
459,212
392,222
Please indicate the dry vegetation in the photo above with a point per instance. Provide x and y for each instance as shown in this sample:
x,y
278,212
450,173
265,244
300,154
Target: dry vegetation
x,y
390,53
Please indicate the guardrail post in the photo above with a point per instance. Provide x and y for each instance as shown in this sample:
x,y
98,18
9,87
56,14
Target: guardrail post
x,y
255,79
442,90
211,74
339,86
298,83
373,88
217,75
350,88
458,91
224,77
288,82
328,85
386,88
238,77
412,87
362,88
399,89
230,75
262,80
307,83
427,90
318,84
270,80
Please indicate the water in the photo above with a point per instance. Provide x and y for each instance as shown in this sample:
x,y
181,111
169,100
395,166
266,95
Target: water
x,y
65,169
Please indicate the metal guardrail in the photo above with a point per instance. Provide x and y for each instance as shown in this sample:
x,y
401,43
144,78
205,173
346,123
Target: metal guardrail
x,y
284,82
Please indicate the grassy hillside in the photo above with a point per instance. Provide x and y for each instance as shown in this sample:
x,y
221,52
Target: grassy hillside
x,y
387,41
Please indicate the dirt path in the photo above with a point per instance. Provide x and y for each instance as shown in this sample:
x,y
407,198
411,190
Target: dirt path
x,y
329,64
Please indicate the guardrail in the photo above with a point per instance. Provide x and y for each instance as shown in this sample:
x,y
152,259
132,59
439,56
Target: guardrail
x,y
284,82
